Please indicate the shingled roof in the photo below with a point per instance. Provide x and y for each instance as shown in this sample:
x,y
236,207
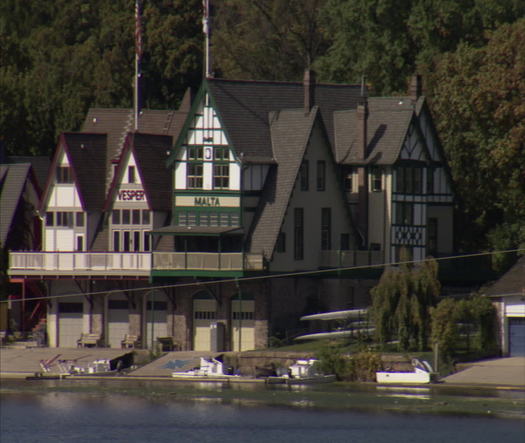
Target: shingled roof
x,y
388,122
150,151
86,154
117,122
244,106
13,178
511,283
290,132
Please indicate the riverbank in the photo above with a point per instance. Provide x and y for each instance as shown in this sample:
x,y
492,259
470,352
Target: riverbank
x,y
365,397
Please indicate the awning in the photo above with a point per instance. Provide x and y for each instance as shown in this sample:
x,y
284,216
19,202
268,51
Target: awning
x,y
198,230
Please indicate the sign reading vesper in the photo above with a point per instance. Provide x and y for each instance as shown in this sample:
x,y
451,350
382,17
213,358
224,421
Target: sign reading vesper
x,y
131,195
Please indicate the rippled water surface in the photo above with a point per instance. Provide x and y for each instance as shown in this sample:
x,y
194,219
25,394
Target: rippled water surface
x,y
80,417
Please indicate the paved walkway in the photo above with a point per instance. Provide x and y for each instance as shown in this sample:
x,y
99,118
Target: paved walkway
x,y
22,362
497,372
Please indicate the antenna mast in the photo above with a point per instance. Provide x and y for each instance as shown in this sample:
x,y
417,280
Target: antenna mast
x,y
138,57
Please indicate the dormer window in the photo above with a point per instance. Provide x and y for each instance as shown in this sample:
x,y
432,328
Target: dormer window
x,y
63,174
131,174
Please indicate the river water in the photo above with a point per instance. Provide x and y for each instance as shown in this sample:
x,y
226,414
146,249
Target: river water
x,y
51,416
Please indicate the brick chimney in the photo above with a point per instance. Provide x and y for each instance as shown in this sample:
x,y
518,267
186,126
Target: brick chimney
x,y
309,90
362,130
362,173
415,89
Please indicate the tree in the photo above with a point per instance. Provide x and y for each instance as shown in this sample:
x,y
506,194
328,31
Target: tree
x,y
401,302
477,99
477,317
60,58
267,39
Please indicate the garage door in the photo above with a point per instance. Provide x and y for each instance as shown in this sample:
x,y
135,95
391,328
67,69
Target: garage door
x,y
204,314
69,324
517,336
118,321
243,325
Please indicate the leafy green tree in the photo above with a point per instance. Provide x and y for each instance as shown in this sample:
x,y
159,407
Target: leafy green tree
x,y
477,98
267,39
401,302
59,58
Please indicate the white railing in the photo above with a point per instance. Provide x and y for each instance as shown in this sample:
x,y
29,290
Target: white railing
x,y
207,261
80,263
347,259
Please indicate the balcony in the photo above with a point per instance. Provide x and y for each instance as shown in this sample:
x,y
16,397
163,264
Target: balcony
x,y
205,263
77,264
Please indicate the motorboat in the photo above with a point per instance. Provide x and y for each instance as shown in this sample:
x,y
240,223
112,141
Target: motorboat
x,y
421,373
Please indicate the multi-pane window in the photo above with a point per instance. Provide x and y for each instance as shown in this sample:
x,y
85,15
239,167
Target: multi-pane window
x,y
299,233
304,175
326,229
376,179
204,315
221,175
65,219
409,180
195,175
63,174
404,213
321,175
244,315
130,216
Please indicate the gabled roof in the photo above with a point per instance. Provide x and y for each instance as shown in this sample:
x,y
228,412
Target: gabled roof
x,y
13,178
150,151
87,155
388,121
290,132
116,123
244,106
39,165
511,283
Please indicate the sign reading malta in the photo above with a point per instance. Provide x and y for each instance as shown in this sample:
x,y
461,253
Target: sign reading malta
x,y
207,201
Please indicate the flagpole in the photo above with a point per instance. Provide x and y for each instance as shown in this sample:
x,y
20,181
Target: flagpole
x,y
138,55
206,30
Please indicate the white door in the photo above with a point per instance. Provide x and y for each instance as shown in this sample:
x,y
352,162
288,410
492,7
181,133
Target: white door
x,y
204,314
69,324
243,325
118,322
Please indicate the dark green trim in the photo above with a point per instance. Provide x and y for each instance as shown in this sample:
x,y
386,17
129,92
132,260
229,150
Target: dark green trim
x,y
199,192
206,209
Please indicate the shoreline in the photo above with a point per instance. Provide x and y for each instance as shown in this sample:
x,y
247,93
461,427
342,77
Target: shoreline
x,y
431,399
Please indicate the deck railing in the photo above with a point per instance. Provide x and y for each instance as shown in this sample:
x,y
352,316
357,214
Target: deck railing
x,y
80,263
207,261
128,263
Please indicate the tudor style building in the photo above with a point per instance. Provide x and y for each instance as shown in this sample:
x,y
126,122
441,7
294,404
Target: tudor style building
x,y
248,179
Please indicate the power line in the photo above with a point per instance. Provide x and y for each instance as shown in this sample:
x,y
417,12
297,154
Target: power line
x,y
266,277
